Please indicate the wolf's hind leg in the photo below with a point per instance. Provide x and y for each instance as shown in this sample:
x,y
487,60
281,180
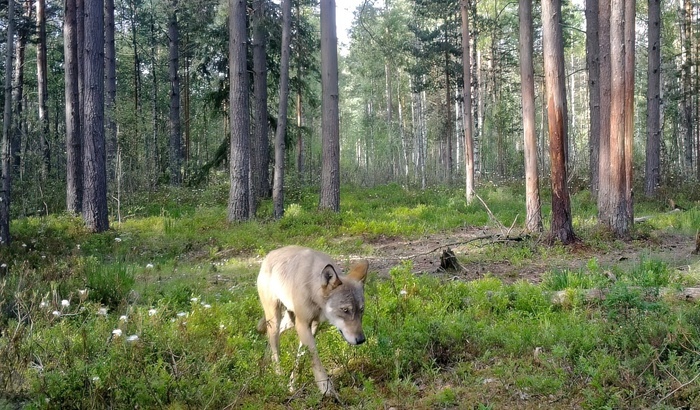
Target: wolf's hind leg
x,y
273,317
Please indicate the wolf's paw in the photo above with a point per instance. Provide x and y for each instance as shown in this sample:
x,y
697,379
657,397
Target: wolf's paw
x,y
327,389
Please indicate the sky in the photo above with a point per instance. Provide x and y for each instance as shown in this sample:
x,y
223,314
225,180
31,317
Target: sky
x,y
343,19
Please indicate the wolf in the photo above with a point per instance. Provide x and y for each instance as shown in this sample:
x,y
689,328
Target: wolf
x,y
301,287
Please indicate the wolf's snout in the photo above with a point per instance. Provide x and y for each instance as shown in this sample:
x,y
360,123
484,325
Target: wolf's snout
x,y
360,339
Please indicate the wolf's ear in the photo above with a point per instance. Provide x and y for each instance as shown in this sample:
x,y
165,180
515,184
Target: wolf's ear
x,y
330,278
359,271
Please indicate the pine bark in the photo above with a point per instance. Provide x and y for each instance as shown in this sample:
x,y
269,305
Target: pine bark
x,y
174,118
110,89
278,186
467,105
553,48
629,42
617,220
18,98
593,64
239,164
330,164
42,86
527,82
6,175
259,147
74,139
652,177
95,212
605,84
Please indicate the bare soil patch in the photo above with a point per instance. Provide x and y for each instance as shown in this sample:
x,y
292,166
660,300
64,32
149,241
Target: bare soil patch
x,y
672,248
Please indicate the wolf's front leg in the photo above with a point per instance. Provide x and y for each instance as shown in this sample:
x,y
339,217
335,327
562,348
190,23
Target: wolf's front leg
x,y
323,382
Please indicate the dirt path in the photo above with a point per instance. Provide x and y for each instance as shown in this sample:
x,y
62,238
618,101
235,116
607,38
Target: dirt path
x,y
477,255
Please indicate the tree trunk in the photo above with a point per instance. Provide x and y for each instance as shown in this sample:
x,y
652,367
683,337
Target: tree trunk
x,y
259,147
652,176
300,118
617,220
95,176
629,38
174,118
111,89
330,167
239,164
527,83
137,69
74,135
553,49
476,81
6,175
593,63
687,93
278,186
448,117
467,105
152,157
604,141
42,81
19,129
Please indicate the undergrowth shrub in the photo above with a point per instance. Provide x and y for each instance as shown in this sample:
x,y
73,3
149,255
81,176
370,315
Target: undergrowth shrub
x,y
108,284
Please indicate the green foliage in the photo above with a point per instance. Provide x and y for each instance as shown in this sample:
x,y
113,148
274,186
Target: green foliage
x,y
108,284
179,284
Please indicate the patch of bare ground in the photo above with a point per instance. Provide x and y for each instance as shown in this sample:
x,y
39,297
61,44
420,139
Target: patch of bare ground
x,y
469,242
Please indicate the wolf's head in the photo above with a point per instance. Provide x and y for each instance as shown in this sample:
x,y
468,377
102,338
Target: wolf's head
x,y
345,301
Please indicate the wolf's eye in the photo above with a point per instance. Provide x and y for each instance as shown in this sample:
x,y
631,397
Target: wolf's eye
x,y
345,310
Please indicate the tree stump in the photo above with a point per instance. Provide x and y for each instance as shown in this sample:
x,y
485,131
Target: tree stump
x,y
449,262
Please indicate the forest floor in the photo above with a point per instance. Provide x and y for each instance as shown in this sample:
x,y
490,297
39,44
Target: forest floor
x,y
472,246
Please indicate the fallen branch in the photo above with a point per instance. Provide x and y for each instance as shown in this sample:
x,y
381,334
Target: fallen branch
x,y
491,215
678,388
497,238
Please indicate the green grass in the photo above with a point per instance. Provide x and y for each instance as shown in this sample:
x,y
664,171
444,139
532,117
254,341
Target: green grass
x,y
178,283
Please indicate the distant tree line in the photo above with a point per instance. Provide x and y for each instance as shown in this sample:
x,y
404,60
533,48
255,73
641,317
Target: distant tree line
x,y
105,100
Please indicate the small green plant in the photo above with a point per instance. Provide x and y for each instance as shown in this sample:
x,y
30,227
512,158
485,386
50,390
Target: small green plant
x,y
109,284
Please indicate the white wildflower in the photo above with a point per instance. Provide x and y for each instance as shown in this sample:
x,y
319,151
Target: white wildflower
x,y
194,300
123,318
152,312
43,256
43,304
149,266
82,292
56,313
102,311
132,338
116,332
117,239
95,379
206,306
4,265
65,303
403,292
181,314
24,245
78,246
221,326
